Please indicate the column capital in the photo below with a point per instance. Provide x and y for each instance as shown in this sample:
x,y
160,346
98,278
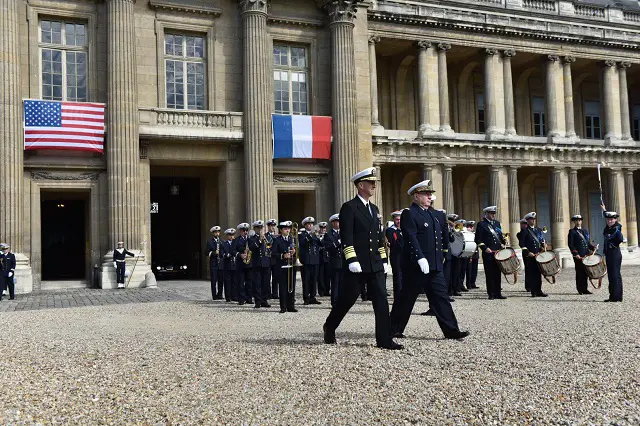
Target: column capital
x,y
374,39
553,58
343,11
444,47
558,169
513,168
569,59
509,53
448,167
259,6
629,171
491,51
495,169
609,63
574,169
624,64
423,44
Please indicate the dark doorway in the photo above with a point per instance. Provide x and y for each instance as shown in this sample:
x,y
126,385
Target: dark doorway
x,y
63,238
175,228
295,206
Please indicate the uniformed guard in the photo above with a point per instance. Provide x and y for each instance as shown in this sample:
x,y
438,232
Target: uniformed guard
x,y
271,235
229,264
214,253
462,261
426,235
261,265
520,235
490,240
240,250
284,253
119,262
395,241
310,259
7,279
324,277
365,260
612,239
454,271
332,246
532,242
472,266
580,245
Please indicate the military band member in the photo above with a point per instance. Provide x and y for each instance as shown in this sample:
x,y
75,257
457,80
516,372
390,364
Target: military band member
x,y
119,262
462,261
240,250
310,259
532,242
229,264
324,278
520,235
426,235
490,240
454,271
472,266
284,253
261,265
580,245
332,246
612,239
395,241
271,235
214,253
365,260
8,262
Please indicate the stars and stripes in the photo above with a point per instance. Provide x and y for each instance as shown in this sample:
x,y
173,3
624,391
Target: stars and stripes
x,y
63,125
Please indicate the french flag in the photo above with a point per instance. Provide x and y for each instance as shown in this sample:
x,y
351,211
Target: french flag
x,y
301,136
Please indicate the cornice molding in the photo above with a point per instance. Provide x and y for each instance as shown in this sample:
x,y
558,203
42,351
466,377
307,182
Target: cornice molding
x,y
302,22
192,6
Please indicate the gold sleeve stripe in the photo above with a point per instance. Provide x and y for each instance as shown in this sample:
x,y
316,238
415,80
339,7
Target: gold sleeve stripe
x,y
349,252
383,253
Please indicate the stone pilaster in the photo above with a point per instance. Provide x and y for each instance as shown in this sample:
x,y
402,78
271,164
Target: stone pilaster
x,y
574,192
443,87
427,172
552,110
624,100
514,204
373,82
490,104
568,97
610,94
11,142
378,197
448,201
424,126
258,147
509,107
630,201
126,209
619,199
559,222
343,96
494,186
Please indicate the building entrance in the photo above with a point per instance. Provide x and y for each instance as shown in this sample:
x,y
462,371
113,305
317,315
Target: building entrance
x,y
295,206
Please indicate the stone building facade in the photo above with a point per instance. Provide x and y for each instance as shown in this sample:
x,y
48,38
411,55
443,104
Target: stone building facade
x,y
506,102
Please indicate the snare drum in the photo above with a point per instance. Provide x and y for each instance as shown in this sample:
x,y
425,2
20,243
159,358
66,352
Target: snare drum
x,y
548,263
463,244
595,266
507,261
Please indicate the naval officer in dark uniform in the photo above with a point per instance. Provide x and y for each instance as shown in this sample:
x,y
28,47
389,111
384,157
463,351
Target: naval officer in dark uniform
x,y
8,261
426,236
284,253
612,239
472,267
260,265
240,250
489,239
275,271
333,247
310,258
396,241
532,242
229,265
365,261
580,245
119,262
214,253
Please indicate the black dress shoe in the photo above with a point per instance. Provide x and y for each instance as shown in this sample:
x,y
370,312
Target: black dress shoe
x,y
282,311
257,306
306,302
541,294
329,335
500,297
241,303
491,298
428,313
292,310
457,293
265,305
608,300
316,302
458,335
451,299
464,290
585,292
392,346
399,335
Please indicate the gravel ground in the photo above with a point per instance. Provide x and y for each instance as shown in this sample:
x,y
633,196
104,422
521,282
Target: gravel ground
x,y
566,359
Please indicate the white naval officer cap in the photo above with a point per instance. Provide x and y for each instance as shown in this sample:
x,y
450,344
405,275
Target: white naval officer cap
x,y
4,246
471,223
366,174
230,231
490,209
531,215
523,220
214,229
576,217
308,219
272,222
396,213
322,224
424,186
334,217
611,215
243,226
285,224
452,217
258,224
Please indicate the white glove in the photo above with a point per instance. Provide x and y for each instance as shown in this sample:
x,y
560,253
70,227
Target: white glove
x,y
424,265
210,253
387,269
114,264
10,274
355,267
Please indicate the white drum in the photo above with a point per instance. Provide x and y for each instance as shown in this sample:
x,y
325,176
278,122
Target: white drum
x,y
463,244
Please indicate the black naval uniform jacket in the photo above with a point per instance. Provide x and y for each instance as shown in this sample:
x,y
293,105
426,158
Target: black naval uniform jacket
x,y
362,239
8,264
272,237
396,241
229,260
579,243
212,245
117,256
531,241
238,247
489,235
426,236
280,248
309,248
260,255
332,247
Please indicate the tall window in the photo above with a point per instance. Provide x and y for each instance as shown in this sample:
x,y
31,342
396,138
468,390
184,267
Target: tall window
x,y
592,120
480,113
539,125
184,57
290,75
63,54
636,123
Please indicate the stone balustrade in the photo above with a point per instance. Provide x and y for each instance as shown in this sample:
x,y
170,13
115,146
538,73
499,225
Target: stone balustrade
x,y
589,11
543,5
165,122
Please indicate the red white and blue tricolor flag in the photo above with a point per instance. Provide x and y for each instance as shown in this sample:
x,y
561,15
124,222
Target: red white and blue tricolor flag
x,y
301,136
75,126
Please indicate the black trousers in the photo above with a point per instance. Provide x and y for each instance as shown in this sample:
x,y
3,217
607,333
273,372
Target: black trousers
x,y
7,283
261,284
582,284
309,283
493,275
614,263
120,267
336,284
446,270
462,268
216,280
348,294
323,287
454,282
532,275
244,286
472,273
438,297
275,277
287,299
229,277
397,278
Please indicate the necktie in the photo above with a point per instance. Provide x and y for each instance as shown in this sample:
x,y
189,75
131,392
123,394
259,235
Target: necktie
x,y
369,208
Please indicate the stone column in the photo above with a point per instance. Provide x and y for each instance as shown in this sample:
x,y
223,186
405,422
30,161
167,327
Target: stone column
x,y
624,101
574,192
510,114
568,98
126,209
378,198
373,83
514,205
258,146
614,192
427,172
443,87
632,219
556,204
343,96
423,91
494,186
551,101
608,73
490,107
448,201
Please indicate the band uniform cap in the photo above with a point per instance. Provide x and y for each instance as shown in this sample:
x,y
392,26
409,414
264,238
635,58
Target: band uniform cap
x,y
424,186
531,215
120,242
611,215
243,226
462,221
396,213
322,224
272,222
334,217
452,217
576,217
471,223
285,224
490,209
523,220
214,229
258,224
308,219
230,231
366,174
4,246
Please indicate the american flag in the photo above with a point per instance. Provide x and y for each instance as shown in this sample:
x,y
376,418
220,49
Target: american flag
x,y
75,126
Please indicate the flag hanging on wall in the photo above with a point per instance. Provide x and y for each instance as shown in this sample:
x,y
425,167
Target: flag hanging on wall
x,y
301,136
75,126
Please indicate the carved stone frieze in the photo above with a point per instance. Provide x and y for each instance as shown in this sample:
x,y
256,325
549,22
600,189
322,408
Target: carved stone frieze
x,y
339,11
41,175
296,179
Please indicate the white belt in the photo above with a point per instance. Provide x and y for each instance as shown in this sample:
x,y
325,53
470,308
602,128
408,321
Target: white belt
x,y
120,261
